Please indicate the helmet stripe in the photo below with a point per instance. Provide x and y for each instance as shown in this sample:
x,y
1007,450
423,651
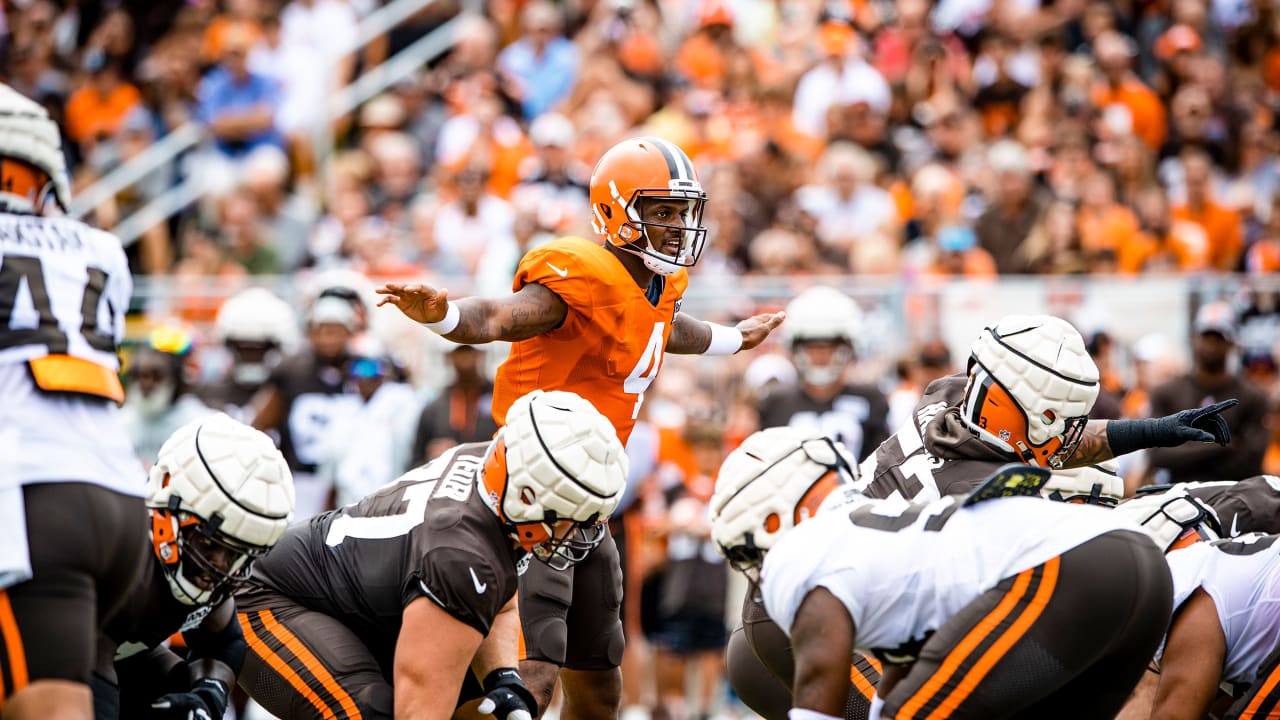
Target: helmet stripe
x,y
673,165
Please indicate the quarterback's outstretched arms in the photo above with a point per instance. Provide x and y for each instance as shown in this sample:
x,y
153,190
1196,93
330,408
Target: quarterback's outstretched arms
x,y
533,310
530,311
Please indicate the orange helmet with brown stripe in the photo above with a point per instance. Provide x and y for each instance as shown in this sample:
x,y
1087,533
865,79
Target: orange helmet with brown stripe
x,y
776,479
1031,386
646,200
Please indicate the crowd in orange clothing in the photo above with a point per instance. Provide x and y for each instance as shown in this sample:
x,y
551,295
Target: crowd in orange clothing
x,y
886,137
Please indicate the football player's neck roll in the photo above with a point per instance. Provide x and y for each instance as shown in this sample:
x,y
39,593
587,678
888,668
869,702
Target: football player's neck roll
x,y
646,201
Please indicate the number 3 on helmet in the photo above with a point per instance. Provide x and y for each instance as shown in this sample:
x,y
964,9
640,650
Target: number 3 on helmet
x,y
639,172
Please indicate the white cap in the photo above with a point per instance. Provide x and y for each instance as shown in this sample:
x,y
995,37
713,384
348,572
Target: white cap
x,y
332,310
551,130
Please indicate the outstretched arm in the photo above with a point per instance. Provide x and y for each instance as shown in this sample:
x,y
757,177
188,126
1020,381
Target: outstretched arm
x,y
691,336
1106,439
528,312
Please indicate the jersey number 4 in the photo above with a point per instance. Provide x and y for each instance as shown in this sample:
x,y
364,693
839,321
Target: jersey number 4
x,y
14,270
646,369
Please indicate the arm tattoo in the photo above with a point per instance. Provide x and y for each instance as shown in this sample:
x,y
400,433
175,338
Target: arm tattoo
x,y
1093,447
689,336
531,311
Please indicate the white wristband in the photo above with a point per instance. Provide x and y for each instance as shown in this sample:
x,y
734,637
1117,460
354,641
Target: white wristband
x,y
725,340
802,714
447,325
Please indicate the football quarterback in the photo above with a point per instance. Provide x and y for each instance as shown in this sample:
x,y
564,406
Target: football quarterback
x,y
593,317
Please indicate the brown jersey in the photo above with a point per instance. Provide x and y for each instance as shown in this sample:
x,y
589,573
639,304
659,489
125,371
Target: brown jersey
x,y
428,534
933,453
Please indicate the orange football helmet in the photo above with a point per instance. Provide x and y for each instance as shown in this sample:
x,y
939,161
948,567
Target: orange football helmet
x,y
645,172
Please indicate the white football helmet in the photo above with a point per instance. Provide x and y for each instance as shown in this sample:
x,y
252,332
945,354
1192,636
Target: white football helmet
x,y
556,459
821,313
256,320
28,135
1099,484
774,480
1031,387
220,495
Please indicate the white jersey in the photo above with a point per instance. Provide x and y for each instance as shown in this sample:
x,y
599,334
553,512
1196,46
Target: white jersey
x,y
902,570
64,290
1242,576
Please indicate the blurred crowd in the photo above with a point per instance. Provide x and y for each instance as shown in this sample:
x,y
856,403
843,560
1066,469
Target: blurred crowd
x,y
901,137
915,140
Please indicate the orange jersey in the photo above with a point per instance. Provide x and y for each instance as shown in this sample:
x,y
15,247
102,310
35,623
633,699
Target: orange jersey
x,y
609,347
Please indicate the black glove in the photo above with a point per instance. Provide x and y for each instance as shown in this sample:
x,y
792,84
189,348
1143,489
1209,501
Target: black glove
x,y
206,701
506,697
1196,424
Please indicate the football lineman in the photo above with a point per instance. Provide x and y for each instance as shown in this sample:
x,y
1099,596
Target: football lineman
x,y
821,336
71,489
379,608
1025,398
594,317
1225,633
219,496
979,609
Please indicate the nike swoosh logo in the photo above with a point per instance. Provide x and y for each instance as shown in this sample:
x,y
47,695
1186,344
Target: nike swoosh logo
x,y
562,272
480,587
1235,522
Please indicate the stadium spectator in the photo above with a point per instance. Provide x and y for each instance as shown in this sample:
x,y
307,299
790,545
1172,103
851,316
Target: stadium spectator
x,y
539,69
369,445
1210,380
462,412
478,227
841,77
236,104
845,201
97,110
1016,207
1220,224
158,400
1120,86
694,579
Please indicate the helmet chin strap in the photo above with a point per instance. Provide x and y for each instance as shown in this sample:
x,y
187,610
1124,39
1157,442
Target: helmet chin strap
x,y
653,260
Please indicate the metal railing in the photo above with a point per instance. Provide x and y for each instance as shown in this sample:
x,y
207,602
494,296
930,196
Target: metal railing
x,y
191,135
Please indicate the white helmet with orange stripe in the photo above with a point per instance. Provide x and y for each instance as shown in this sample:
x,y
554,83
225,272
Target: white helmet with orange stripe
x,y
33,169
554,475
773,481
1031,386
220,495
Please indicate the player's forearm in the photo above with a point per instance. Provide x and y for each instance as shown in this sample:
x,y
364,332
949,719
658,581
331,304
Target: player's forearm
x,y
501,647
1093,448
689,336
517,317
